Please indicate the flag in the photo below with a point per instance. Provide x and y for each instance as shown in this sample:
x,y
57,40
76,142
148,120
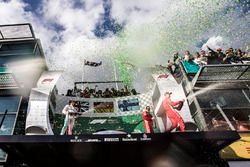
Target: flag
x,y
92,64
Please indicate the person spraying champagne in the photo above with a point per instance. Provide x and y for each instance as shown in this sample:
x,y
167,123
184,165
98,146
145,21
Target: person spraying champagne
x,y
171,113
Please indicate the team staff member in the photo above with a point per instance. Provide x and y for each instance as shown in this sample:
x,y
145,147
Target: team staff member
x,y
148,120
170,112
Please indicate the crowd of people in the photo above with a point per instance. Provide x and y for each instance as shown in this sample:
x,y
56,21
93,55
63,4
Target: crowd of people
x,y
217,56
107,93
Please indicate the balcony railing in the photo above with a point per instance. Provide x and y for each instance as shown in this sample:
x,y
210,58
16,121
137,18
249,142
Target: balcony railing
x,y
16,32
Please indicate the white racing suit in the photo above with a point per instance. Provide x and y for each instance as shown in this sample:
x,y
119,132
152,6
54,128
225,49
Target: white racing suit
x,y
69,120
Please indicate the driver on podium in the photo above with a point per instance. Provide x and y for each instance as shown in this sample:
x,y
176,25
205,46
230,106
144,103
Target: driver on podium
x,y
70,114
171,113
148,120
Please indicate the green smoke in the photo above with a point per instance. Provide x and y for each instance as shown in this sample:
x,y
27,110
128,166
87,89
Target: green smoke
x,y
177,28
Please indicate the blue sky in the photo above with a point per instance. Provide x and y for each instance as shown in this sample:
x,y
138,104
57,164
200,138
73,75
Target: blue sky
x,y
105,25
33,3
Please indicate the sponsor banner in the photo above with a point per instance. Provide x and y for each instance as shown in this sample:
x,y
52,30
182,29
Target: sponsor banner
x,y
103,107
48,79
238,150
129,105
84,106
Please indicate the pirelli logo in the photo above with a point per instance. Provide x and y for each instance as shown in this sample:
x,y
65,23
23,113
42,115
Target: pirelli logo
x,y
248,150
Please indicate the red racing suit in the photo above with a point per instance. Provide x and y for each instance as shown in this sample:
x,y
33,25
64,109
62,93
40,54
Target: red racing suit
x,y
148,122
174,116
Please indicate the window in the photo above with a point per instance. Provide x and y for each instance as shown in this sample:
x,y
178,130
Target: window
x,y
10,103
228,99
3,155
8,119
8,124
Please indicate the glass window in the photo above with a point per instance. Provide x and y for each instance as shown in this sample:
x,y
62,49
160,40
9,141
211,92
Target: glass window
x,y
7,80
8,124
2,155
9,103
16,31
225,98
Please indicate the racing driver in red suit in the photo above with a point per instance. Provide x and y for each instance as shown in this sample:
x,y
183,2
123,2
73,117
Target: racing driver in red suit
x,y
171,113
148,120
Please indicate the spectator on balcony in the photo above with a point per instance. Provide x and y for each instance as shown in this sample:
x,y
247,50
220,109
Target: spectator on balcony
x,y
126,91
203,56
114,92
121,92
197,58
107,93
221,55
241,55
69,92
188,56
229,56
99,94
200,59
218,54
171,67
235,58
245,56
92,93
133,92
86,93
176,58
212,57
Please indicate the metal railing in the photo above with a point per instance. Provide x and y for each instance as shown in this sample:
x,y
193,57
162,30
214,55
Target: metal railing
x,y
16,32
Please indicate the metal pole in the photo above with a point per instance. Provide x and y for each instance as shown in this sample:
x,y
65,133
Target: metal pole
x,y
225,117
246,96
116,84
83,68
191,92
